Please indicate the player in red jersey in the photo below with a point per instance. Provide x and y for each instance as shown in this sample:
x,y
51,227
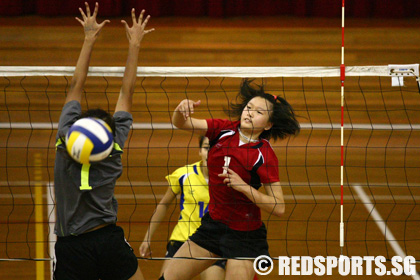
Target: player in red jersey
x,y
240,161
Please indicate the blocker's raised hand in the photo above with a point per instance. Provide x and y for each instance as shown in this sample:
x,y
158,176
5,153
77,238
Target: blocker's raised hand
x,y
137,31
91,27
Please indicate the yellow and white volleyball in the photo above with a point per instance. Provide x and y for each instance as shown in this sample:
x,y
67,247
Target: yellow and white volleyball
x,y
89,140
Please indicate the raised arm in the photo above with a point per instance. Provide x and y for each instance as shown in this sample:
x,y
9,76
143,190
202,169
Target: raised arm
x,y
134,35
92,30
182,117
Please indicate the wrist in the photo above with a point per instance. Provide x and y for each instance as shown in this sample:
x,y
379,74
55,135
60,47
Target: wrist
x,y
89,40
247,190
134,45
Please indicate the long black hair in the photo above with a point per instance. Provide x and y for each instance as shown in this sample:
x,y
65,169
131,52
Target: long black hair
x,y
282,116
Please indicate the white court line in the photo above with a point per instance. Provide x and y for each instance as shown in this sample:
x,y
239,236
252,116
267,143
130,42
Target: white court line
x,y
370,207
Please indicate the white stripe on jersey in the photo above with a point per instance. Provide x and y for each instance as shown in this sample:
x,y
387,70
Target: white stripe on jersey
x,y
259,157
227,133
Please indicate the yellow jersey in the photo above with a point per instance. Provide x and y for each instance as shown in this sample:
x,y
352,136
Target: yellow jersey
x,y
189,181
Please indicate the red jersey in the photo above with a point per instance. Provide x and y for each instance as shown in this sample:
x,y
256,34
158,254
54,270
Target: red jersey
x,y
256,163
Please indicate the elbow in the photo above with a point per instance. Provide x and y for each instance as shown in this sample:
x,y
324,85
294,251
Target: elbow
x,y
75,84
127,90
279,210
178,123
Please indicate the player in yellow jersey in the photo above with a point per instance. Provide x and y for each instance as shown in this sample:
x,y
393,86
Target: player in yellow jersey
x,y
191,182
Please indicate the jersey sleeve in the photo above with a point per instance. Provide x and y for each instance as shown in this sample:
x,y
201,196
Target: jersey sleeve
x,y
123,121
269,171
173,180
215,126
69,115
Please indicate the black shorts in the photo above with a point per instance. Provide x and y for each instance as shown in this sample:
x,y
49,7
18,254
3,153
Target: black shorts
x,y
221,240
173,246
100,254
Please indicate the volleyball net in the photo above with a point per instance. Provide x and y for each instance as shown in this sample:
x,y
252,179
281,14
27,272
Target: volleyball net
x,y
381,189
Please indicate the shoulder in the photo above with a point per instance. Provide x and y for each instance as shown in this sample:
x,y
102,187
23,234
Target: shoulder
x,y
222,124
217,126
71,109
70,114
122,116
74,104
267,149
184,170
123,121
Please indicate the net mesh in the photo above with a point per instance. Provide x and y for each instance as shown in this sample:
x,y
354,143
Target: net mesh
x,y
381,167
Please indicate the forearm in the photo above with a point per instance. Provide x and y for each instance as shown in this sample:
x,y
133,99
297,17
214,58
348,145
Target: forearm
x,y
80,73
267,203
130,72
125,99
155,220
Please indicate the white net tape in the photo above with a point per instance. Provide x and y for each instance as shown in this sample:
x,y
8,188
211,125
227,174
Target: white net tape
x,y
238,72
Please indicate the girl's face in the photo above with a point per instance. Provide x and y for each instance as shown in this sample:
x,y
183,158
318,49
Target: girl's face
x,y
256,115
204,150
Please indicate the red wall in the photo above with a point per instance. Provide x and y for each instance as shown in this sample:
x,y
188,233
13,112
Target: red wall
x,y
219,8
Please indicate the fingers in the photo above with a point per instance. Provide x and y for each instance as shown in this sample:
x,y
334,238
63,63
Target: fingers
x,y
148,31
140,19
79,20
145,251
227,182
95,12
127,29
141,251
145,21
186,107
87,9
190,108
139,22
192,105
188,111
103,23
133,15
141,16
82,13
145,254
125,24
226,172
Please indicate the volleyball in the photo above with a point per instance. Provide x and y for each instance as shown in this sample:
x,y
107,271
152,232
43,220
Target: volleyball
x,y
89,140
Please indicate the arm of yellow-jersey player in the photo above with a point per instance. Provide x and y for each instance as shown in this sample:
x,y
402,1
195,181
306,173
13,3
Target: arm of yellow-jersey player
x,y
157,217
